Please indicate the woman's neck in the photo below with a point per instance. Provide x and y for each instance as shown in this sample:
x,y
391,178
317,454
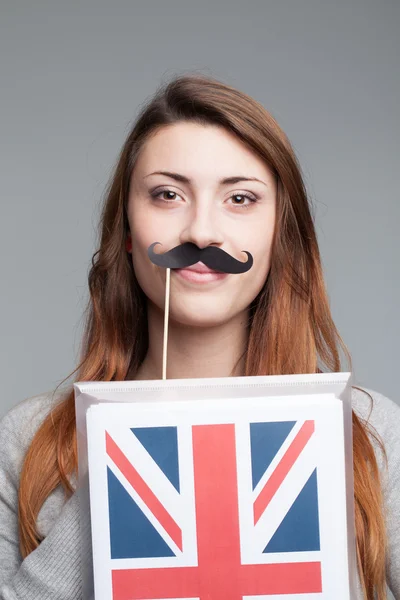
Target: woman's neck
x,y
195,351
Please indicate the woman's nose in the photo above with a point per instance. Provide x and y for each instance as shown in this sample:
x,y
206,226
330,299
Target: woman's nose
x,y
202,228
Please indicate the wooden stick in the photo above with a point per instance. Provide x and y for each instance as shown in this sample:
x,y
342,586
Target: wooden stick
x,y
166,315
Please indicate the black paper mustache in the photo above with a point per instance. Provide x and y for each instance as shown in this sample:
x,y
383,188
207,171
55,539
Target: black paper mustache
x,y
188,254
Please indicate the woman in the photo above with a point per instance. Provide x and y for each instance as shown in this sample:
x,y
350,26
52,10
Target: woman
x,y
204,163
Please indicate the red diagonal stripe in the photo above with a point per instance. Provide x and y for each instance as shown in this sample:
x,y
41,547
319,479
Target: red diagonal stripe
x,y
282,469
143,490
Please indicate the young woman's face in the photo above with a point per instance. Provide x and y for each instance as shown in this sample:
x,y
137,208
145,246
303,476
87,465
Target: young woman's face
x,y
205,211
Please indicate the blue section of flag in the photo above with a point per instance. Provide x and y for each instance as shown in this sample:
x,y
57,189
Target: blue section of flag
x,y
162,445
131,533
266,439
299,530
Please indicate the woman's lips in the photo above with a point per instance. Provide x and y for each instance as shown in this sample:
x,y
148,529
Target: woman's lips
x,y
200,273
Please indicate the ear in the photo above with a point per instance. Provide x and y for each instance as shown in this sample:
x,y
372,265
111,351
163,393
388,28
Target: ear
x,y
128,243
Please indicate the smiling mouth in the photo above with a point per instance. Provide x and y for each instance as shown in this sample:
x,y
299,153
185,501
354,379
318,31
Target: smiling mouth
x,y
200,273
199,267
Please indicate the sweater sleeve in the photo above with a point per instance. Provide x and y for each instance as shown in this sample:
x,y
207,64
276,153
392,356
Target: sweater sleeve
x,y
10,557
384,416
392,494
53,571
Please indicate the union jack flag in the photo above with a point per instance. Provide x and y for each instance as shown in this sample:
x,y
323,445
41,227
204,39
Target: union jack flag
x,y
212,511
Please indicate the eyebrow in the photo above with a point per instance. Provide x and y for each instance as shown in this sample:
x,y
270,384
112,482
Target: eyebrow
x,y
225,181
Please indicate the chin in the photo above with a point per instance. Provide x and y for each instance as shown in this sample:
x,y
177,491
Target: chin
x,y
201,321
201,314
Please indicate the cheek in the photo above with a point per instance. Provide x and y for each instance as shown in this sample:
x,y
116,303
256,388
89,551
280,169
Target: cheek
x,y
151,280
262,263
142,230
147,274
256,280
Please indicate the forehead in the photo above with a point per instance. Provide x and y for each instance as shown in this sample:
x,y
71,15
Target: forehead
x,y
200,151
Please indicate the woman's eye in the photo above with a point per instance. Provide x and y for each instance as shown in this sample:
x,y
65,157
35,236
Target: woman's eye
x,y
242,200
167,195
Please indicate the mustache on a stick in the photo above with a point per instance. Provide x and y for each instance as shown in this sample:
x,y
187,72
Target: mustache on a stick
x,y
188,254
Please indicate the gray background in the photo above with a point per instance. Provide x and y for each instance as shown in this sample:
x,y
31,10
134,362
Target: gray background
x,y
73,75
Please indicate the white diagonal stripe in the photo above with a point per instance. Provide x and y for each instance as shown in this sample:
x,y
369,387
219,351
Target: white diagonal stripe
x,y
148,469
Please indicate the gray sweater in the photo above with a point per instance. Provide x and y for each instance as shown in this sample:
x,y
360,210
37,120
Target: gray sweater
x,y
53,570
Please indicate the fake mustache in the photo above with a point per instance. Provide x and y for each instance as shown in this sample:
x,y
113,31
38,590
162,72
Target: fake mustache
x,y
188,254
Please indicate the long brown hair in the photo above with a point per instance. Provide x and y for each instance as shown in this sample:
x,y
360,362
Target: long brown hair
x,y
291,327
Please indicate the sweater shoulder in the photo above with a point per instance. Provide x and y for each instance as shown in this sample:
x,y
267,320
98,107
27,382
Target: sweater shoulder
x,y
19,425
376,409
28,414
382,418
